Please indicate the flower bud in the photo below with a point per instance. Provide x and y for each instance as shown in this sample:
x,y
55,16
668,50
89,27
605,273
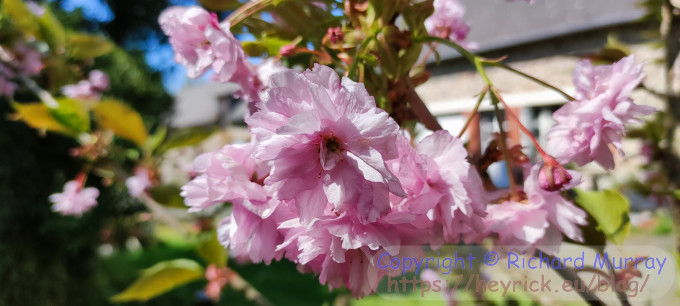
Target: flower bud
x,y
553,176
335,34
288,50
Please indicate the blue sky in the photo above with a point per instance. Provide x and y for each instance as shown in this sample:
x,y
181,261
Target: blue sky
x,y
160,56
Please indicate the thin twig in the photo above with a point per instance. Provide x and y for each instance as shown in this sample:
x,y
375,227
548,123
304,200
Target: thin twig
x,y
474,112
506,67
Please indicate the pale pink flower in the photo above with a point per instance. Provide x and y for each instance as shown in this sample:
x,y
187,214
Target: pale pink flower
x,y
90,89
267,68
201,42
138,183
232,175
81,90
441,184
7,87
228,175
447,22
252,236
74,200
327,142
585,128
29,60
539,221
99,80
342,250
35,8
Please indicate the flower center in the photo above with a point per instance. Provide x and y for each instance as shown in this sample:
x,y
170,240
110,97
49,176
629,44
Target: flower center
x,y
333,144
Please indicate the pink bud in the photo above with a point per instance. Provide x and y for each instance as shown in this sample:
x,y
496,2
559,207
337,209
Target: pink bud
x,y
288,50
553,176
335,34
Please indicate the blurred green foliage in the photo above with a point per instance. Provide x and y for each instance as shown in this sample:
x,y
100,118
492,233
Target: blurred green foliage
x,y
47,259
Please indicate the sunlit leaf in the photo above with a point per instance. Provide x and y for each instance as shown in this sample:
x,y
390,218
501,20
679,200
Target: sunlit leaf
x,y
161,278
84,46
268,45
120,118
156,139
52,30
211,250
38,116
22,16
220,5
173,238
73,114
186,137
609,209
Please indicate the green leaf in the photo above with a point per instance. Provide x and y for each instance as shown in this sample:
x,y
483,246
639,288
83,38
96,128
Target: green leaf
x,y
84,46
120,118
167,195
211,250
161,278
186,137
22,16
267,45
220,5
609,209
156,139
173,238
51,30
38,116
73,114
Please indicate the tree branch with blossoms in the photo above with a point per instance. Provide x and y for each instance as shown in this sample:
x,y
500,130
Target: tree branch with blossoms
x,y
333,175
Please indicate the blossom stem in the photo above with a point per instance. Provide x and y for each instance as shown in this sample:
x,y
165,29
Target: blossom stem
x,y
431,48
420,109
474,112
519,123
506,67
159,211
504,148
246,11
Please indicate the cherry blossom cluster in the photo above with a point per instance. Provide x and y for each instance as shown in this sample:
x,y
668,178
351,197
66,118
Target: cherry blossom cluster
x,y
329,180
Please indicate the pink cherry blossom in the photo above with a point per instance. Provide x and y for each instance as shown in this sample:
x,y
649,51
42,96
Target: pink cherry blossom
x,y
99,80
201,42
342,250
228,175
138,183
327,142
447,22
7,86
89,89
251,236
584,129
537,222
440,183
29,60
267,68
74,200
